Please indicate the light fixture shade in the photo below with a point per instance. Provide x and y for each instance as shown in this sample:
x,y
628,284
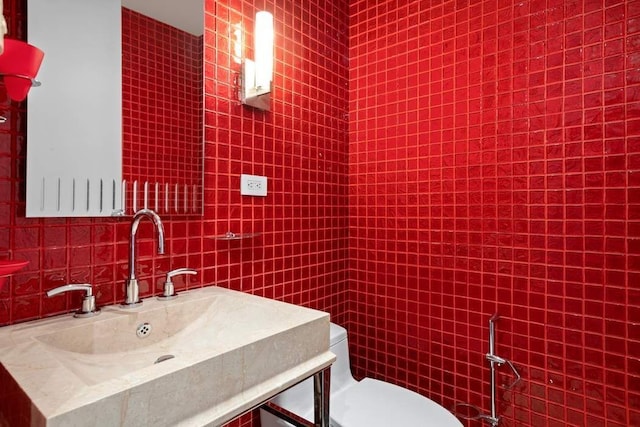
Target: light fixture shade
x,y
263,48
19,64
256,76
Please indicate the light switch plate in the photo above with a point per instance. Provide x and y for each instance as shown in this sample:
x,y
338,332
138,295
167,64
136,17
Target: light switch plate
x,y
253,185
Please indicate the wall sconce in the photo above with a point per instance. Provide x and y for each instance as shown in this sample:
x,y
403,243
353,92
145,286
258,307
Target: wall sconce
x,y
19,64
255,76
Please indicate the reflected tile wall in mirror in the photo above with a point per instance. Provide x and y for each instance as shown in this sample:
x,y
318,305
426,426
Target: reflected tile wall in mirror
x,y
162,114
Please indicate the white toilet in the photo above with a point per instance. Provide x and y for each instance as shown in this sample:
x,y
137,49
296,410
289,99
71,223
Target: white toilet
x,y
368,403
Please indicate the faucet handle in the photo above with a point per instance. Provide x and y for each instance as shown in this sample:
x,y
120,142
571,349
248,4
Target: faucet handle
x,y
89,308
169,291
179,271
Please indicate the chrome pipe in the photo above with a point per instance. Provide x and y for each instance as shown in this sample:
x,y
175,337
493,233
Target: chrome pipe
x,y
492,333
493,360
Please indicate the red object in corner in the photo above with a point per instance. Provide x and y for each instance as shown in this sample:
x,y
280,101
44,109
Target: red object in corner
x,y
8,267
19,64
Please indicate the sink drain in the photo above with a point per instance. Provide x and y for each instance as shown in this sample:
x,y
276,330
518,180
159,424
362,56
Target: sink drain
x,y
163,358
143,330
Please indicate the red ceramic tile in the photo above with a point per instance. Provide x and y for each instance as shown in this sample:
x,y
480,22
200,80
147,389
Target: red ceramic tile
x,y
160,62
555,91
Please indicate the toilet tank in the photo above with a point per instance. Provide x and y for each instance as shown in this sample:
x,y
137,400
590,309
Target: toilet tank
x,y
341,376
299,399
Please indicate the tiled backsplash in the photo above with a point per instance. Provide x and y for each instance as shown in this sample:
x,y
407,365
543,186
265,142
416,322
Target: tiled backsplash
x,y
494,163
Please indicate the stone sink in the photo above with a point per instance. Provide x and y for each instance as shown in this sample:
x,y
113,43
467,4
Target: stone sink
x,y
201,359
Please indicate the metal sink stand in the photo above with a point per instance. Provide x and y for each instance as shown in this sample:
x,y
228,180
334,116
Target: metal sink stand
x,y
321,385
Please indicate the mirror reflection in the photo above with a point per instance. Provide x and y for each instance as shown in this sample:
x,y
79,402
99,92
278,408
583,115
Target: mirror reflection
x,y
162,105
152,122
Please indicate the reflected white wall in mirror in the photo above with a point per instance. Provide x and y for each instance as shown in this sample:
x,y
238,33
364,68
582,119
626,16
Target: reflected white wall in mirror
x,y
187,15
75,117
158,122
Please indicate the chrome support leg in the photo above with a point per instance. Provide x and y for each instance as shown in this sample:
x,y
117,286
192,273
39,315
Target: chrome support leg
x,y
321,385
293,419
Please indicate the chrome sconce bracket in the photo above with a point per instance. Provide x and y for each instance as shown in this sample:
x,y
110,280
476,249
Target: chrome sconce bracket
x,y
250,94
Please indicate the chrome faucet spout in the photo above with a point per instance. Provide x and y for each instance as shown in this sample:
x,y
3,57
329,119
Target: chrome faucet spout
x,y
131,285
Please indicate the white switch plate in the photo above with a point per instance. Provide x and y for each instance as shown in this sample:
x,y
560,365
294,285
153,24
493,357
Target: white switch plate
x,y
253,185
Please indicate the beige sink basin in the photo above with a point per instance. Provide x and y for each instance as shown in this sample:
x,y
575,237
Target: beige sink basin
x,y
200,359
167,324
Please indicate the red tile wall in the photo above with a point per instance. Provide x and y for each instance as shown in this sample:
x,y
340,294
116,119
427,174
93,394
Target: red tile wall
x,y
494,168
301,146
162,67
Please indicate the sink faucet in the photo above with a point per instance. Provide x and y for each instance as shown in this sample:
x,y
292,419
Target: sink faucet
x,y
131,284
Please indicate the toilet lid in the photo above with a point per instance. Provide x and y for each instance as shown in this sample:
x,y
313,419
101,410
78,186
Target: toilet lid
x,y
373,403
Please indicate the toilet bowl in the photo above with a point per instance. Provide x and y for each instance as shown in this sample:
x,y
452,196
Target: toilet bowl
x,y
366,403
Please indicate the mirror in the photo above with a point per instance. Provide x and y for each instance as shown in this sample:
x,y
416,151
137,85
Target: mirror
x,y
118,124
